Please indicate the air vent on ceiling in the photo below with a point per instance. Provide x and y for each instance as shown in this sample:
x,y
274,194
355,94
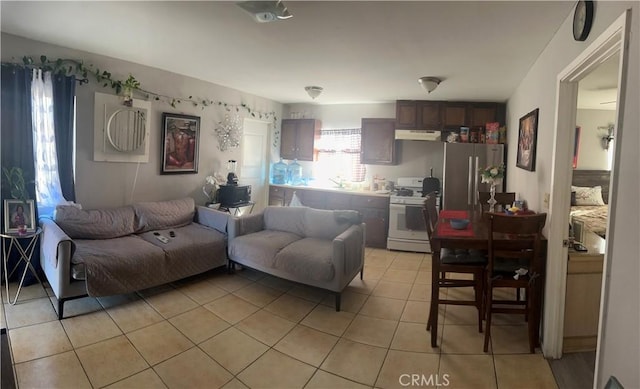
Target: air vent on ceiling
x,y
266,11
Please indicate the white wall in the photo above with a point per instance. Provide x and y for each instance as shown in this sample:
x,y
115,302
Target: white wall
x,y
591,155
111,184
620,342
416,158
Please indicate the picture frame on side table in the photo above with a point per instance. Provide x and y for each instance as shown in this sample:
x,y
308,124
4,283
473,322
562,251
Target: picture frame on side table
x,y
527,140
19,216
180,143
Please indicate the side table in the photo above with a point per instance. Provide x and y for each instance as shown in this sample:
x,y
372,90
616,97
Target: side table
x,y
239,209
26,254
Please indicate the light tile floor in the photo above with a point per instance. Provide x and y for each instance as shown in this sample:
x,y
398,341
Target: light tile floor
x,y
253,330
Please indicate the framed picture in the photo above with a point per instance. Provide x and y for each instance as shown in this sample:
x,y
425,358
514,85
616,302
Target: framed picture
x,y
180,141
576,148
19,216
527,137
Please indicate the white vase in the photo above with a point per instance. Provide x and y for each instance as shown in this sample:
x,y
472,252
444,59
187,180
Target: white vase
x,y
492,200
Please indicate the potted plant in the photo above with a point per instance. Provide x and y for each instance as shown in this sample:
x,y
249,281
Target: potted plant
x,y
128,86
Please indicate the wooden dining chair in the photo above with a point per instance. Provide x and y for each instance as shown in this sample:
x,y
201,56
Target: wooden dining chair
x,y
451,261
503,199
514,246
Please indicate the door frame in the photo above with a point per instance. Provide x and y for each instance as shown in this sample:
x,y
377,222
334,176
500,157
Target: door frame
x,y
268,150
613,40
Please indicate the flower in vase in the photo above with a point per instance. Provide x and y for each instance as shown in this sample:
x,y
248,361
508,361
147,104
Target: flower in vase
x,y
210,188
492,174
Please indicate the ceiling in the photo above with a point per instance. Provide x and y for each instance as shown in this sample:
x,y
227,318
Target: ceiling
x,y
362,51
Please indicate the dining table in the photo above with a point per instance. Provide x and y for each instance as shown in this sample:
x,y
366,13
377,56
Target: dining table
x,y
476,236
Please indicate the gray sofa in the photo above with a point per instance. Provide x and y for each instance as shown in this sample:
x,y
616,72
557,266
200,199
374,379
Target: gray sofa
x,y
321,248
103,252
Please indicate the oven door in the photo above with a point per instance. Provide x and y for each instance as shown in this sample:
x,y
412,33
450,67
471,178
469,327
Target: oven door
x,y
407,222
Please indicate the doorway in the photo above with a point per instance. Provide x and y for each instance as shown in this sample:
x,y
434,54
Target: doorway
x,y
255,166
610,43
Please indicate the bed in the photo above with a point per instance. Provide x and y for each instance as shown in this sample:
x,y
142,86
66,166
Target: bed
x,y
589,202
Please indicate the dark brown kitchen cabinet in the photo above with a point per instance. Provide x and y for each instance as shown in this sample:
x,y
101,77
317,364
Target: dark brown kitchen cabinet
x,y
280,196
438,115
406,114
378,143
429,115
455,115
297,138
418,115
483,113
313,198
375,214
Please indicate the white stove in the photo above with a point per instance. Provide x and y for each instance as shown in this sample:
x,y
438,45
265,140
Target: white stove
x,y
407,228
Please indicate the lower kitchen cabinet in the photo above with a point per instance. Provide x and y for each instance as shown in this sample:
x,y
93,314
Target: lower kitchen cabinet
x,y
375,214
374,209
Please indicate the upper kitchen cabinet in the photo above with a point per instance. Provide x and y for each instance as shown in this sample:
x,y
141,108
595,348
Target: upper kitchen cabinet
x,y
418,115
438,115
297,137
378,145
455,114
483,113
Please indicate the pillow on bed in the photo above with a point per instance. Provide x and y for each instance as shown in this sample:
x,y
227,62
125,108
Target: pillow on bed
x,y
573,198
588,196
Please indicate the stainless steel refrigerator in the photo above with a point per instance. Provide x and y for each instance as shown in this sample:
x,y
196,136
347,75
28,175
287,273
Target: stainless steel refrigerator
x,y
461,179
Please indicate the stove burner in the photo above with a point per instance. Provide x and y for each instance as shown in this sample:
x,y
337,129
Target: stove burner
x,y
404,192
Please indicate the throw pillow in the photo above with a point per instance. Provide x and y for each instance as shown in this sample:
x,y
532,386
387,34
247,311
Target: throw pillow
x,y
95,223
588,195
159,215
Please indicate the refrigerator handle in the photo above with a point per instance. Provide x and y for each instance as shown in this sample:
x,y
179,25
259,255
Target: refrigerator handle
x,y
476,187
469,183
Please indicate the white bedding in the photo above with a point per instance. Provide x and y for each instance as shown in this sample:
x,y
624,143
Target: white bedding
x,y
594,217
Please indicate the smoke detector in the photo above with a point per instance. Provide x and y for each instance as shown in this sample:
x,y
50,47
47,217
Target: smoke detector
x,y
266,11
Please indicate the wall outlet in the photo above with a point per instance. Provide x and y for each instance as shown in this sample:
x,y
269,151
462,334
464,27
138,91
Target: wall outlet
x,y
546,201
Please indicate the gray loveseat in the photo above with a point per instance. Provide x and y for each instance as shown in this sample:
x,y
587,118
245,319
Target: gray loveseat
x,y
315,247
103,252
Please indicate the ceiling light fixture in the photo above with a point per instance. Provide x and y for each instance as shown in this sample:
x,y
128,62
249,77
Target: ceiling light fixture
x,y
266,11
429,83
313,91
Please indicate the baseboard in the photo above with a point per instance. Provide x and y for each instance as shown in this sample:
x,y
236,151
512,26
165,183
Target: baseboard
x,y
574,344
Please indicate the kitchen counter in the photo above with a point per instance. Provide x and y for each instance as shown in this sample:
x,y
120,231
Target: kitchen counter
x,y
333,190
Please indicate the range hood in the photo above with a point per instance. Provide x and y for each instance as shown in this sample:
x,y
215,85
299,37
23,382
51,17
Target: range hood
x,y
417,135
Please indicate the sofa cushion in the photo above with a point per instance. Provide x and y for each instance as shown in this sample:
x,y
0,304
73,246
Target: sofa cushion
x,y
95,223
260,247
164,214
190,244
288,219
308,258
324,224
120,265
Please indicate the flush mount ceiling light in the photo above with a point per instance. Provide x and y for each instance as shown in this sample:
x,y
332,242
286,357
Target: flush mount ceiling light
x,y
313,91
266,11
429,83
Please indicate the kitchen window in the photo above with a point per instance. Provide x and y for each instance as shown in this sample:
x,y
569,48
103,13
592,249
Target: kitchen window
x,y
338,152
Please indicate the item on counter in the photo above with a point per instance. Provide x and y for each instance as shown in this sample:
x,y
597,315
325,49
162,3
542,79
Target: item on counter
x,y
474,135
452,137
503,135
492,133
279,173
294,173
464,134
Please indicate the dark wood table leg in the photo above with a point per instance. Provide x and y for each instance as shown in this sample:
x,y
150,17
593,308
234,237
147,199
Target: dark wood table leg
x,y
435,295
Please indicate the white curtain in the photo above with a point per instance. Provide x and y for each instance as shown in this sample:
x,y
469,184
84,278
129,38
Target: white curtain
x,y
48,191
